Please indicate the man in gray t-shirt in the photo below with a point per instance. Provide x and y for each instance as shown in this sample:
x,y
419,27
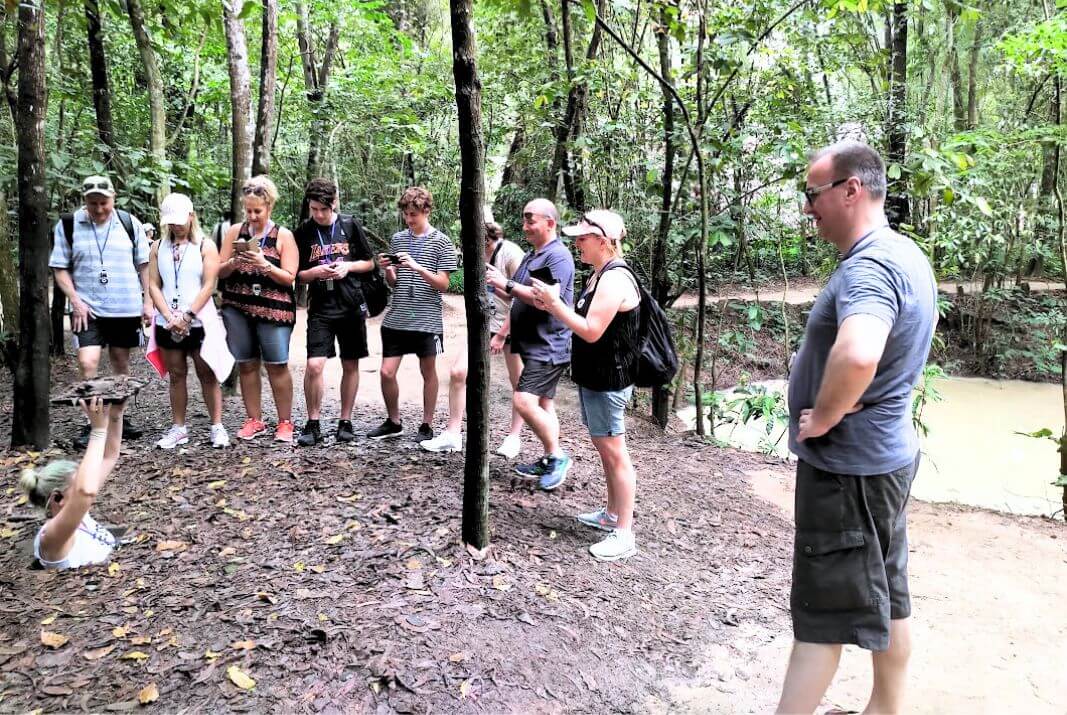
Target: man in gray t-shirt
x,y
865,345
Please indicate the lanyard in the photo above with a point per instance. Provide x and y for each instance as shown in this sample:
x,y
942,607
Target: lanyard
x,y
100,249
177,257
322,246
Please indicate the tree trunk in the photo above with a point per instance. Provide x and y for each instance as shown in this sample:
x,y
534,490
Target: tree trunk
x,y
660,281
101,86
315,80
897,205
472,233
959,112
9,279
268,71
240,103
7,70
158,137
30,425
513,174
972,78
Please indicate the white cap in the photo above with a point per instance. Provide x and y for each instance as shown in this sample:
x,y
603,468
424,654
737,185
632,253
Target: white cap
x,y
148,227
175,210
598,222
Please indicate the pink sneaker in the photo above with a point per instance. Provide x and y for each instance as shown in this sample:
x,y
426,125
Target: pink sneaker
x,y
251,429
284,433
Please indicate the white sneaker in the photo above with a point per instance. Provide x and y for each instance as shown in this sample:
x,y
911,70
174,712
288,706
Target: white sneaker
x,y
219,437
176,435
599,519
510,447
619,544
444,442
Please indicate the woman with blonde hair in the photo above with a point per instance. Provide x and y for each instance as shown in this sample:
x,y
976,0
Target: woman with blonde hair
x,y
65,491
604,324
182,270
259,260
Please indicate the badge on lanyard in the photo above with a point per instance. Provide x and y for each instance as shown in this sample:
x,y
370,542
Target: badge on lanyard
x,y
256,289
103,276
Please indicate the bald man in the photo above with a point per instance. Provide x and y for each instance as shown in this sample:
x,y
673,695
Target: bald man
x,y
542,340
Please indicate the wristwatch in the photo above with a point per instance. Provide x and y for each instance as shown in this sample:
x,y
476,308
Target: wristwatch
x,y
509,286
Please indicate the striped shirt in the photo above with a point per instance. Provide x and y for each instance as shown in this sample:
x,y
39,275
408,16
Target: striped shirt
x,y
108,249
416,305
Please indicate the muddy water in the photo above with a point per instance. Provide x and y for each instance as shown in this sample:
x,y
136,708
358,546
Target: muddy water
x,y
972,454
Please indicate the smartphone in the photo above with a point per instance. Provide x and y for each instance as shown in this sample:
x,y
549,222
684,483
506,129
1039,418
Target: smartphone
x,y
240,245
393,258
544,274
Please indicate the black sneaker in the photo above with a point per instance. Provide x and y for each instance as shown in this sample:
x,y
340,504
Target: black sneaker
x,y
82,440
310,435
386,430
425,432
129,430
344,431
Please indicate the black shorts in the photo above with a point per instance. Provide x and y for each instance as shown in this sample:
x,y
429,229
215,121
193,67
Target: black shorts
x,y
110,333
540,378
405,342
850,556
349,331
190,343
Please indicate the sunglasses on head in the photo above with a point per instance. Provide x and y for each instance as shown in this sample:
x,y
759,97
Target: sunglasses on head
x,y
597,226
96,186
254,190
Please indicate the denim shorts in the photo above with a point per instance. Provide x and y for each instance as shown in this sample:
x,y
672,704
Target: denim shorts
x,y
604,413
253,339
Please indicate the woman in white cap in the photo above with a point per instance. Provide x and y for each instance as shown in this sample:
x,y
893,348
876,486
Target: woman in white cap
x,y
182,272
605,331
65,491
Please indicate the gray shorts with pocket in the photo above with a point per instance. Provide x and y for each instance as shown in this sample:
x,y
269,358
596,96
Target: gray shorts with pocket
x,y
850,556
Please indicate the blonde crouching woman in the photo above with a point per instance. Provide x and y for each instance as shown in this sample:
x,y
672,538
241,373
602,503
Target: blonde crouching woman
x,y
65,491
605,332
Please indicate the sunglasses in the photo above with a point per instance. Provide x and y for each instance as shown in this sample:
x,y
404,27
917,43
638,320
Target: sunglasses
x,y
814,192
597,226
253,190
96,186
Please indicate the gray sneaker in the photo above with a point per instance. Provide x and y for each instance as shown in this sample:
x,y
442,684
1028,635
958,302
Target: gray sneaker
x,y
599,519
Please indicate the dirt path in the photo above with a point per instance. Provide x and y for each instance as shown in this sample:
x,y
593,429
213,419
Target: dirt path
x,y
989,624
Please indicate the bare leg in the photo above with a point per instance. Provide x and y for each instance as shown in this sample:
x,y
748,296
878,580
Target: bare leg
x,y
281,384
811,668
390,388
457,392
120,360
542,421
428,368
349,387
209,385
89,361
251,387
313,388
177,371
891,670
514,364
620,476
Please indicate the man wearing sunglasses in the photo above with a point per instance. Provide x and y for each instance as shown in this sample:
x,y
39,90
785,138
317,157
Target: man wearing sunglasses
x,y
865,346
103,271
541,339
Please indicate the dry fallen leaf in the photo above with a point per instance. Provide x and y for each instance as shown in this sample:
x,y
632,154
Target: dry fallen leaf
x,y
228,551
53,640
211,655
264,596
119,631
239,679
413,564
217,484
140,640
7,533
98,653
458,657
171,546
243,645
335,539
113,569
318,568
500,583
165,632
299,567
50,620
134,655
464,688
148,694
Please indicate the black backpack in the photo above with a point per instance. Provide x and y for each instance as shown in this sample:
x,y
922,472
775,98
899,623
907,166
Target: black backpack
x,y
124,218
657,361
375,290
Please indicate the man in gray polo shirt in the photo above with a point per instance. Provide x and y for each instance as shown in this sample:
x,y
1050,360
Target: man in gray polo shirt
x,y
542,340
103,272
865,345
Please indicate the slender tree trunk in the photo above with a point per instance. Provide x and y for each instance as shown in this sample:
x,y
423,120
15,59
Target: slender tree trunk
x,y
972,78
240,103
9,278
1046,195
513,174
158,108
7,70
101,85
959,111
315,80
472,232
660,279
30,425
268,70
897,205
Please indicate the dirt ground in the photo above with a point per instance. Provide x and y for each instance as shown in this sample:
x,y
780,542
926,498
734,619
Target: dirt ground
x,y
334,577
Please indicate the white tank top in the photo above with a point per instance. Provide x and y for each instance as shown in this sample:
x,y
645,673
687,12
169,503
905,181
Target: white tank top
x,y
185,282
92,545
